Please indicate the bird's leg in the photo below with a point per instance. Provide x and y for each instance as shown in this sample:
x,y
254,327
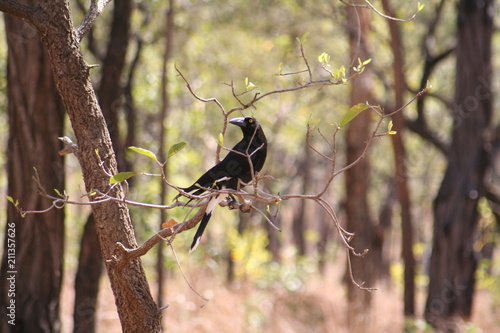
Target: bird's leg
x,y
231,202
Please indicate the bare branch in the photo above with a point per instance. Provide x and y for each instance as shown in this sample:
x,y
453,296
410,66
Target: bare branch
x,y
123,254
372,7
96,8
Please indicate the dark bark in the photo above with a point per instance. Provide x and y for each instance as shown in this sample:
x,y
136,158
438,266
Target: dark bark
x,y
36,120
52,19
90,268
299,218
110,90
453,261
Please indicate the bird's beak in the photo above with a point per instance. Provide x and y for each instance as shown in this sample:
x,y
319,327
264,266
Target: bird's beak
x,y
238,122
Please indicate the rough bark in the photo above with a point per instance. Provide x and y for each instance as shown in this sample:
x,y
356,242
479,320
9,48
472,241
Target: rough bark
x,y
453,261
36,119
52,19
109,95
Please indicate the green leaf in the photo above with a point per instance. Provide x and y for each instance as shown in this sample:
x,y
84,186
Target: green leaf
x,y
339,74
280,68
312,123
58,192
220,142
324,58
144,152
14,202
303,39
420,6
352,113
176,148
121,176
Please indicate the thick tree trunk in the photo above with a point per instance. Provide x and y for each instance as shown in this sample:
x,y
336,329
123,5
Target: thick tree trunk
x,y
453,260
52,19
32,277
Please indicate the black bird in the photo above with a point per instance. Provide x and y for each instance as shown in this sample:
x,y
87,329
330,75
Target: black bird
x,y
233,170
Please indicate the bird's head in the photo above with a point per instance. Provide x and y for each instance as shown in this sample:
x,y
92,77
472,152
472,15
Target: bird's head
x,y
247,124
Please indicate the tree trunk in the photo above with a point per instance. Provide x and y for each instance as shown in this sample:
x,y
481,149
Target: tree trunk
x,y
87,280
401,177
299,218
52,19
32,277
109,94
110,89
357,178
453,261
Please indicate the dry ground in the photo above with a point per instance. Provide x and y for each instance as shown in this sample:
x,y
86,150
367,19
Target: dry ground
x,y
319,307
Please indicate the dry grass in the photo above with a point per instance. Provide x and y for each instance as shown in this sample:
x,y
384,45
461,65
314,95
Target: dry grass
x,y
320,306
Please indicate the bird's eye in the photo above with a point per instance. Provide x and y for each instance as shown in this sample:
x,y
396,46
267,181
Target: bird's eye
x,y
250,120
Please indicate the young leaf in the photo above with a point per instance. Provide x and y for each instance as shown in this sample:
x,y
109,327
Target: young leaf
x,y
339,74
58,193
220,142
389,129
14,202
249,84
352,113
280,68
420,6
121,176
324,58
144,152
303,40
176,148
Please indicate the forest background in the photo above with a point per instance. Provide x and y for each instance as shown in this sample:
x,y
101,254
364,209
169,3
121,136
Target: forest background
x,y
254,277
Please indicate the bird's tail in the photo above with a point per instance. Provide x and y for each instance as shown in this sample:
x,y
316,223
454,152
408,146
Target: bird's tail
x,y
201,229
214,201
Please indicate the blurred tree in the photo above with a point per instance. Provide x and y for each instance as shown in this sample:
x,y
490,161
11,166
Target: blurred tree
x,y
357,178
36,120
401,177
453,261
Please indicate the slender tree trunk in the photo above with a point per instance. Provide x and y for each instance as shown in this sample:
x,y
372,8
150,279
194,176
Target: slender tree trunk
x,y
453,261
32,277
359,219
110,90
52,19
299,219
87,278
401,178
163,116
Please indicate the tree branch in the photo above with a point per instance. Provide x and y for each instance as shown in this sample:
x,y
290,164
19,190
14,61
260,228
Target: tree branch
x,y
96,8
19,10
